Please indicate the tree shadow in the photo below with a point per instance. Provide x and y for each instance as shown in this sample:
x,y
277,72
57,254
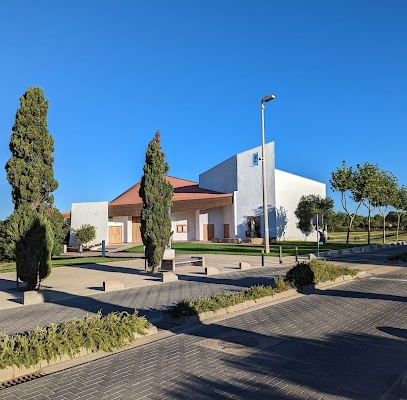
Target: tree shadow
x,y
254,365
234,279
355,294
277,221
110,268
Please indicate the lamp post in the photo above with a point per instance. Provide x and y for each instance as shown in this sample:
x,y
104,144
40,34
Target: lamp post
x,y
263,157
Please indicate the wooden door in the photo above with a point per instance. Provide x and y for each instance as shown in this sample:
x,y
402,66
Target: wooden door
x,y
226,233
135,230
208,232
115,235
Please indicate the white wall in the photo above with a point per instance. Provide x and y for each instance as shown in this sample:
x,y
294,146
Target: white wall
x,y
184,218
250,189
92,213
289,189
221,178
238,175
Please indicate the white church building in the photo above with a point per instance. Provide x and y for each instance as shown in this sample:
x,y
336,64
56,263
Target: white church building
x,y
226,203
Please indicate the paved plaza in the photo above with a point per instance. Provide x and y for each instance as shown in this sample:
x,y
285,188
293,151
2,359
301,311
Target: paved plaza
x,y
346,342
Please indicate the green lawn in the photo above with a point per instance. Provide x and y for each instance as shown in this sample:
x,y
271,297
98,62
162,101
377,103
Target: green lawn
x,y
65,261
288,248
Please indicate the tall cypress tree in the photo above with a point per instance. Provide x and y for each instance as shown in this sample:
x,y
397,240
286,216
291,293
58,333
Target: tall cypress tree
x,y
156,194
29,169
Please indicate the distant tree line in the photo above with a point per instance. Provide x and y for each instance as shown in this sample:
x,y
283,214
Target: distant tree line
x,y
377,190
361,186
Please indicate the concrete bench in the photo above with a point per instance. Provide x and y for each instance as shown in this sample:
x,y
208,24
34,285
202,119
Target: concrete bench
x,y
199,261
244,265
34,297
168,276
168,261
211,271
109,286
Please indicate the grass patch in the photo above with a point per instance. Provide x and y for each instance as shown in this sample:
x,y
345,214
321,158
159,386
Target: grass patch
x,y
288,248
66,261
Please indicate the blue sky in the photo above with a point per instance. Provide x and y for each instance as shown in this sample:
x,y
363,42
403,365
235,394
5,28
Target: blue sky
x,y
114,72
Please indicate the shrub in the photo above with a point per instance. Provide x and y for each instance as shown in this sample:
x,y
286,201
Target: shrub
x,y
195,306
84,234
315,271
93,333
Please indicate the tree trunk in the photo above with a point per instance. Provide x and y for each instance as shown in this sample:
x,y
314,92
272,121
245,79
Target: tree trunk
x,y
351,218
398,227
384,229
368,227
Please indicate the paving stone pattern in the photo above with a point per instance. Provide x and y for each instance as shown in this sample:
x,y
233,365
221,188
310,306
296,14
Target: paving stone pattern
x,y
347,342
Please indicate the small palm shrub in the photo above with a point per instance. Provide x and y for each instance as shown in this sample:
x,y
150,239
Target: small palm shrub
x,y
315,271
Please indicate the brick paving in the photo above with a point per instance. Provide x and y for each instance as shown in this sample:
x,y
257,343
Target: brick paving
x,y
346,342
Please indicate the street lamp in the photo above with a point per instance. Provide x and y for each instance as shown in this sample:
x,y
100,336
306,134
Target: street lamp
x,y
263,157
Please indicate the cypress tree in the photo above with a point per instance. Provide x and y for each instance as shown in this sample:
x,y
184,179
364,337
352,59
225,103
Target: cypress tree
x,y
29,169
156,194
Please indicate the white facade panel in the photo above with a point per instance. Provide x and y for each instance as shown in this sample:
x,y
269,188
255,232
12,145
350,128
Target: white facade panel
x,y
250,189
289,189
221,178
92,213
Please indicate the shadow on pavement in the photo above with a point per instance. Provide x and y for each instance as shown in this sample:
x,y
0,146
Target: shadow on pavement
x,y
353,366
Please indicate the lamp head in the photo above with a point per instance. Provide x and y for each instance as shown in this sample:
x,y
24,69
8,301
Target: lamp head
x,y
268,98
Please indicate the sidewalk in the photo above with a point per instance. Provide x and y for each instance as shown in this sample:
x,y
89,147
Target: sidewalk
x,y
87,279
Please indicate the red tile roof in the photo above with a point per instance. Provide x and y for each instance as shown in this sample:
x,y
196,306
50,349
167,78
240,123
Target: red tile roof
x,y
183,190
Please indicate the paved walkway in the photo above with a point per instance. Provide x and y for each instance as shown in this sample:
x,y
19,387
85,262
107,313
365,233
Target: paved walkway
x,y
347,342
87,279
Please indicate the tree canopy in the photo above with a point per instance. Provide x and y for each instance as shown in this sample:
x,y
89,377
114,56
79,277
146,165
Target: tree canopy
x,y
310,205
29,169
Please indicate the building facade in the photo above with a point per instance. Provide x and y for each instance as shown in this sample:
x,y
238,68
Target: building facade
x,y
227,202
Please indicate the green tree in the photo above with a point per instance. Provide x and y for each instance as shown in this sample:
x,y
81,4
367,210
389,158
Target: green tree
x,y
364,191
310,205
84,234
385,192
400,205
156,193
29,170
30,167
344,182
33,252
339,221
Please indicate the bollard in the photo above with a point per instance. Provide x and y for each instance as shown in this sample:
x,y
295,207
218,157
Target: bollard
x,y
262,257
103,248
281,254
